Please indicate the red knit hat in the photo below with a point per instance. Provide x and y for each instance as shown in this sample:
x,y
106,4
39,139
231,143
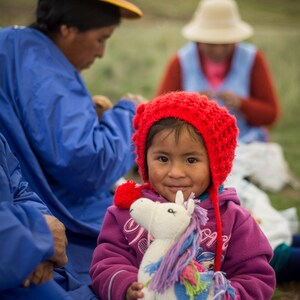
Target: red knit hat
x,y
216,126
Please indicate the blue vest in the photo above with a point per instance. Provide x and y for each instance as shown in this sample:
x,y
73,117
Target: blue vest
x,y
236,81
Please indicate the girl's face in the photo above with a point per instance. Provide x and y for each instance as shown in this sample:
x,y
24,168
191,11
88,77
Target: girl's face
x,y
178,164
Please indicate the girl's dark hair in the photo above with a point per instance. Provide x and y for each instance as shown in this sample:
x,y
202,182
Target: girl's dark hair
x,y
174,125
82,14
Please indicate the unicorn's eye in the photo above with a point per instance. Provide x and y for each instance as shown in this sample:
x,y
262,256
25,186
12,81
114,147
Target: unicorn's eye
x,y
171,211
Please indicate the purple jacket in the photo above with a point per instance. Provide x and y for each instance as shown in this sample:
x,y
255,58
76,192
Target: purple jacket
x,y
246,250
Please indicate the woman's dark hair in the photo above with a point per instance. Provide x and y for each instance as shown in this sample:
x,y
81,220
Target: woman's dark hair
x,y
82,14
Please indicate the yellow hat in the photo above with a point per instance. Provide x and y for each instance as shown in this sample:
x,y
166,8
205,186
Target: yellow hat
x,y
217,22
128,10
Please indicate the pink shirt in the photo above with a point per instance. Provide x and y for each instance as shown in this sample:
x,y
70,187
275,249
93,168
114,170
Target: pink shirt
x,y
215,72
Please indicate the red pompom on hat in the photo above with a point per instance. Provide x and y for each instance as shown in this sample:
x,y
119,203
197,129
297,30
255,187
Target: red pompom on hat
x,y
127,193
216,126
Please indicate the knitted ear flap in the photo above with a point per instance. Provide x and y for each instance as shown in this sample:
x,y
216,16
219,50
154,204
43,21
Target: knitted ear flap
x,y
215,200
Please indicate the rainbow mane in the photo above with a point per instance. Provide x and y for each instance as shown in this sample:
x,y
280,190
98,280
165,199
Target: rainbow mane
x,y
180,254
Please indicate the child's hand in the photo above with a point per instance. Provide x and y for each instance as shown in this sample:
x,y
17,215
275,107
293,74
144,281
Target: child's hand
x,y
135,291
42,273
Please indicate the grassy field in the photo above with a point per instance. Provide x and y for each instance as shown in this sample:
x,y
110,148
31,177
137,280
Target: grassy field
x,y
138,51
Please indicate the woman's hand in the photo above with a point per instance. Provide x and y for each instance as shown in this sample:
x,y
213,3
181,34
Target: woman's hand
x,y
208,94
58,230
42,273
102,104
137,99
230,100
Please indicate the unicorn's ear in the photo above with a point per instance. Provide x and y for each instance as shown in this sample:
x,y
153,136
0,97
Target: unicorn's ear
x,y
190,206
179,199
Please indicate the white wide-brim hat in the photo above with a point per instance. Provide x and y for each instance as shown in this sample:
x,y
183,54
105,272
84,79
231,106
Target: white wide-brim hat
x,y
217,22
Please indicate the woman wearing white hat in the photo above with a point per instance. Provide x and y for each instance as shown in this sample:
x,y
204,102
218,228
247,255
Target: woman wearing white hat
x,y
216,62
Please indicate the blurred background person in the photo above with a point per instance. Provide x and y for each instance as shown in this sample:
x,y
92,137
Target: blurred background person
x,y
217,63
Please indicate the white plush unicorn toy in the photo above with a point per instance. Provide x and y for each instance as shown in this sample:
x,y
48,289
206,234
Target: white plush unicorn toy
x,y
168,269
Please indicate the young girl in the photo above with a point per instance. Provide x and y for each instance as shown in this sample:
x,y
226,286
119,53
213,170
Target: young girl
x,y
184,142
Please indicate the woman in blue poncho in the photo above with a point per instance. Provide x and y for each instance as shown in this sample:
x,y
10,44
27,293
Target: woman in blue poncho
x,y
48,116
32,241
